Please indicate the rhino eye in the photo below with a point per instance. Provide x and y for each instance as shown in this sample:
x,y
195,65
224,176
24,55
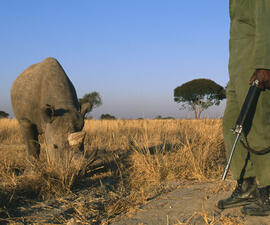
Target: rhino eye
x,y
55,146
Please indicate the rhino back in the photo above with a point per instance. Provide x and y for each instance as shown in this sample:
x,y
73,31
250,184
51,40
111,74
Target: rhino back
x,y
41,84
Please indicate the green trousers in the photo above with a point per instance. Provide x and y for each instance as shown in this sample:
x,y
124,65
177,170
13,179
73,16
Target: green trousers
x,y
244,164
259,136
249,50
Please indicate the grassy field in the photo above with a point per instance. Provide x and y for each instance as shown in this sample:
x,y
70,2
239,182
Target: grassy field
x,y
136,160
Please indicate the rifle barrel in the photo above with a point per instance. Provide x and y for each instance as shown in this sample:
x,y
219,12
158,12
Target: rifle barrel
x,y
230,157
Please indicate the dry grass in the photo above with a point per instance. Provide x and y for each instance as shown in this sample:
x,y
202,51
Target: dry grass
x,y
137,158
10,132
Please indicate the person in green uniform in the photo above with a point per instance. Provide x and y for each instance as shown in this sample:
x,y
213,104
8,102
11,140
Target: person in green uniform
x,y
249,60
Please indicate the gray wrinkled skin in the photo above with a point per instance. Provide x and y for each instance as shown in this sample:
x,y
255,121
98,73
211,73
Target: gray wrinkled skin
x,y
44,101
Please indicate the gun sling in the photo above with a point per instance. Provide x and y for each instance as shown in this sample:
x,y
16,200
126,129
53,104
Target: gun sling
x,y
249,149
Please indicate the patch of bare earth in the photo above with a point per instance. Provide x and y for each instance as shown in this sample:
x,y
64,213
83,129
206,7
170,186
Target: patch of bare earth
x,y
191,204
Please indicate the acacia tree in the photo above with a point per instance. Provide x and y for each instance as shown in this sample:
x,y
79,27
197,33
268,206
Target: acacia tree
x,y
92,99
198,95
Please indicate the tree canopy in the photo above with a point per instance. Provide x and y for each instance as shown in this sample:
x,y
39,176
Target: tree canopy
x,y
198,95
92,98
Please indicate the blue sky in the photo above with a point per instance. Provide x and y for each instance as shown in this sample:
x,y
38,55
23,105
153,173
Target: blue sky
x,y
133,52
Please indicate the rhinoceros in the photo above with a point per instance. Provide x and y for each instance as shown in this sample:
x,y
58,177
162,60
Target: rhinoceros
x,y
44,101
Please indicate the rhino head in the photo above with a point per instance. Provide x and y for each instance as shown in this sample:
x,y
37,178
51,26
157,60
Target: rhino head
x,y
62,131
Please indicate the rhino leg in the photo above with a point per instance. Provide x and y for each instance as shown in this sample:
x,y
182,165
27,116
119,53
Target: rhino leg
x,y
30,136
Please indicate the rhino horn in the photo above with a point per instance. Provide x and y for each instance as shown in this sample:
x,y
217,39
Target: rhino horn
x,y
76,138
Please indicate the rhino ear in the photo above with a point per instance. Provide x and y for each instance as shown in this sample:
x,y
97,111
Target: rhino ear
x,y
85,108
48,113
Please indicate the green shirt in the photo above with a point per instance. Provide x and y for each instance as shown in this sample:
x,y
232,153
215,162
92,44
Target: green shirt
x,y
250,19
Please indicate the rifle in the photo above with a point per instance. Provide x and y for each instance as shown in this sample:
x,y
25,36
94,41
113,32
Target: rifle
x,y
243,123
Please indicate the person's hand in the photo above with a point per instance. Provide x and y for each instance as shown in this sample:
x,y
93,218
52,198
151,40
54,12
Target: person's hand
x,y
263,76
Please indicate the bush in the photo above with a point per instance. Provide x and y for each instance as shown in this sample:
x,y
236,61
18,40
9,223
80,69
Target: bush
x,y
107,117
3,114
